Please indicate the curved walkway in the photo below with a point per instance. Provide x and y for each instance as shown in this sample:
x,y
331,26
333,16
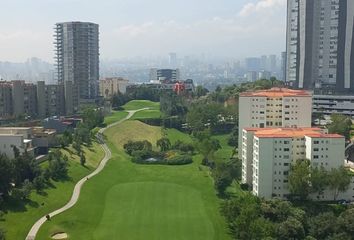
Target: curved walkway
x,y
76,193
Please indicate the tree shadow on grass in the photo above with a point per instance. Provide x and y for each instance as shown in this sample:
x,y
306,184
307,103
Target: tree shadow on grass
x,y
15,205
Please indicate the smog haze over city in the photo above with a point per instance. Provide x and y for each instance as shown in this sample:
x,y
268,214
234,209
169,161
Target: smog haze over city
x,y
131,28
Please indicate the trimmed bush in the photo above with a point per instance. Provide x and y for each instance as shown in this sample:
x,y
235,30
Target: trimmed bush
x,y
184,147
179,159
131,146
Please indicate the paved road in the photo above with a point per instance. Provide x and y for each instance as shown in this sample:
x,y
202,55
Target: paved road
x,y
76,193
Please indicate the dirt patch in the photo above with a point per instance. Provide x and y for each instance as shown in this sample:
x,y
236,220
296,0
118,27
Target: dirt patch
x,y
60,236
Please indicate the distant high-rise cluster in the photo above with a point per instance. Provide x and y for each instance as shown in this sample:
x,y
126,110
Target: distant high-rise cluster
x,y
320,45
77,58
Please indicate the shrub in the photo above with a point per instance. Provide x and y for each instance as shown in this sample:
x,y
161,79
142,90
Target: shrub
x,y
179,159
131,146
184,147
139,156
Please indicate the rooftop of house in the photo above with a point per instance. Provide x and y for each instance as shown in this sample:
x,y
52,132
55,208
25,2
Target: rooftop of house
x,y
276,93
291,133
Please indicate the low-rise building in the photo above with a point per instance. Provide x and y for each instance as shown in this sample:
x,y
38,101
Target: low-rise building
x,y
268,153
43,139
61,124
110,86
34,140
329,104
19,137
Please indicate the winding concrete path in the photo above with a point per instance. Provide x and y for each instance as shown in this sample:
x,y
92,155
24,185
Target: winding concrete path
x,y
76,193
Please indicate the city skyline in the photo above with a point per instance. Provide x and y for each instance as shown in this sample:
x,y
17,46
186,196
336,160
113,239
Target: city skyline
x,y
215,28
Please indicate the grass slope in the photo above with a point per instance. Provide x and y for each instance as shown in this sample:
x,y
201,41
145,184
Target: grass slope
x,y
130,201
226,150
147,114
138,104
21,217
115,117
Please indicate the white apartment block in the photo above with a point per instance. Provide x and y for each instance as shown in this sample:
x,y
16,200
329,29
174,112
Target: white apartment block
x,y
267,155
19,137
276,107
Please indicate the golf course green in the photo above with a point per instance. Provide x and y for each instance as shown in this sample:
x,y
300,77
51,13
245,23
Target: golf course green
x,y
130,201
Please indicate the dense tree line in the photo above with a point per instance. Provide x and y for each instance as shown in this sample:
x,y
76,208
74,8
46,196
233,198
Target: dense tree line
x,y
305,179
137,93
252,218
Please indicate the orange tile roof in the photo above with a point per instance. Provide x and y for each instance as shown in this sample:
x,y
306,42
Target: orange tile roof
x,y
277,92
291,133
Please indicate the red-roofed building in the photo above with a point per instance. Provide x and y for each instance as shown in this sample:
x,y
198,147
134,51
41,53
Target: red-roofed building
x,y
276,107
267,155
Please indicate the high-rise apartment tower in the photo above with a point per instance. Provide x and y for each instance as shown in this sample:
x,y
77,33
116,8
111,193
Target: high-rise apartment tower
x,y
320,45
77,57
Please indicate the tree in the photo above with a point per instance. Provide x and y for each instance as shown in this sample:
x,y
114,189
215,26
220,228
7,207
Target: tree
x,y
346,222
322,225
207,147
261,228
290,229
39,183
25,167
82,159
200,91
6,174
2,234
201,116
2,214
82,134
338,180
224,173
299,179
318,179
92,117
341,124
77,144
65,139
21,193
58,165
164,144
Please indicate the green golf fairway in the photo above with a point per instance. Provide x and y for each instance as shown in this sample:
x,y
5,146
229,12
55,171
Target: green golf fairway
x,y
131,202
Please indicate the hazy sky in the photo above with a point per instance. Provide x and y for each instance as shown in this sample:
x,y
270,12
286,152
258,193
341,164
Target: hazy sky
x,y
233,28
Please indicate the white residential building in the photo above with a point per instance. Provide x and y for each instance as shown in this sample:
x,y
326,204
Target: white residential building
x,y
276,107
267,155
19,137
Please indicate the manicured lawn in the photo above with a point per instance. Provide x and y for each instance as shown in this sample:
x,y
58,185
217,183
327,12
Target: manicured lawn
x,y
146,114
138,104
94,154
175,135
225,152
115,117
21,217
131,201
